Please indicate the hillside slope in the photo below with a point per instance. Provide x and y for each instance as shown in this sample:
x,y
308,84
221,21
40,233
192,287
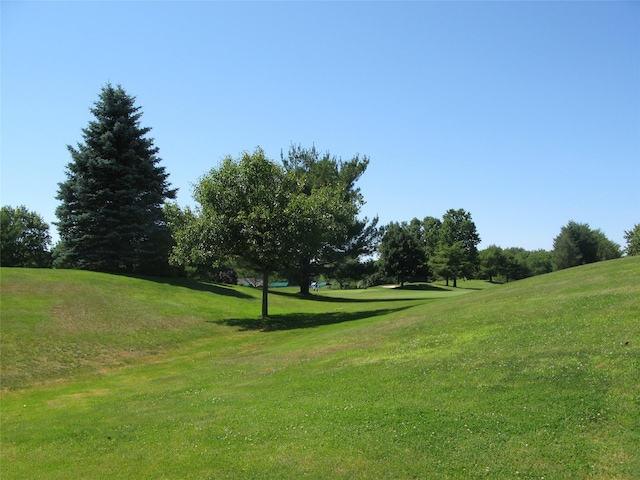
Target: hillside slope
x,y
538,378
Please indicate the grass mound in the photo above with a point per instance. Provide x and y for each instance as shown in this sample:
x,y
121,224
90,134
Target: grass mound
x,y
537,378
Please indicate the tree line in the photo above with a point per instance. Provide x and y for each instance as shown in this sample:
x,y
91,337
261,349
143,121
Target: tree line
x,y
295,219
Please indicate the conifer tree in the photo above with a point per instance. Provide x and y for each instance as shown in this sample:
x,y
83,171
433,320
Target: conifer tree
x,y
111,216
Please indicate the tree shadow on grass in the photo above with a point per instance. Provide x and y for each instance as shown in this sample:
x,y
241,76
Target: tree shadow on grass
x,y
321,298
197,285
424,287
291,321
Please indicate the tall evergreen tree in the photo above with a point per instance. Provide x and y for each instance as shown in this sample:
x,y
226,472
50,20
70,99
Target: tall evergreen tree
x,y
111,216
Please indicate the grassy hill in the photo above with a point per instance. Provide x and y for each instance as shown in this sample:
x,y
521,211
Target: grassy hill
x,y
115,377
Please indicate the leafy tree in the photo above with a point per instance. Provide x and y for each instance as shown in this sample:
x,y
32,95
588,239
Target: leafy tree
x,y
324,227
607,249
352,262
431,232
516,266
401,253
493,262
449,261
353,271
24,238
110,216
459,238
632,237
188,255
577,244
539,262
246,209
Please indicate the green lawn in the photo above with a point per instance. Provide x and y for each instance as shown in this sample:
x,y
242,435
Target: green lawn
x,y
106,376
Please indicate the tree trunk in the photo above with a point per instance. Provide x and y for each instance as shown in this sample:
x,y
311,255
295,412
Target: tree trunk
x,y
304,286
265,294
304,278
455,282
447,279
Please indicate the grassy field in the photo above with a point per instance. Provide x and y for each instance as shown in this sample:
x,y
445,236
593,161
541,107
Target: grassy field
x,y
107,376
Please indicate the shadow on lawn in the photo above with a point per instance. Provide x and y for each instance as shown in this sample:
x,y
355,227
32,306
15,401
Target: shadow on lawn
x,y
197,285
293,321
425,287
314,297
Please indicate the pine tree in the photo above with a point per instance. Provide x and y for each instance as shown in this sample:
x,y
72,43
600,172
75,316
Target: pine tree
x,y
111,216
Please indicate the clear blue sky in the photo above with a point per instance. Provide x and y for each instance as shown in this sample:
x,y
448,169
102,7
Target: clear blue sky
x,y
526,114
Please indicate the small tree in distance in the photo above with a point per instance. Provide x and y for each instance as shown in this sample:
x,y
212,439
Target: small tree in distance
x,y
577,244
24,238
456,254
632,237
401,253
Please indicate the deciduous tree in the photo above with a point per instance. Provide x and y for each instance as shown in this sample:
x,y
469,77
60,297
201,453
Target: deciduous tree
x,y
493,262
577,244
401,252
632,237
245,213
459,238
24,238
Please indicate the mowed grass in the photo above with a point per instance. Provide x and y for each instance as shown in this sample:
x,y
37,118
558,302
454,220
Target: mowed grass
x,y
116,377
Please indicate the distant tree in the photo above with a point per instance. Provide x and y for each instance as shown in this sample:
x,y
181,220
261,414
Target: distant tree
x,y
24,238
353,262
431,233
324,227
401,253
458,238
577,244
245,214
493,262
540,262
632,237
353,271
607,249
516,265
449,262
111,216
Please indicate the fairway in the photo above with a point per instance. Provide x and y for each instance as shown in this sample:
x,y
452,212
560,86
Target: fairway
x,y
108,376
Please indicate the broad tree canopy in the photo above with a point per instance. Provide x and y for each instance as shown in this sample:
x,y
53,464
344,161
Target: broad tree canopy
x,y
24,238
246,208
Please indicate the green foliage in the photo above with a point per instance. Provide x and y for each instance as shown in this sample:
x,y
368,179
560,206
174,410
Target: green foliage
x,y
431,234
578,244
632,237
327,236
456,253
493,262
24,238
401,252
246,213
537,378
449,262
110,216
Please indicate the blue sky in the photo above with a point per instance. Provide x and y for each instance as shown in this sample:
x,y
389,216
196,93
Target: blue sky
x,y
525,114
